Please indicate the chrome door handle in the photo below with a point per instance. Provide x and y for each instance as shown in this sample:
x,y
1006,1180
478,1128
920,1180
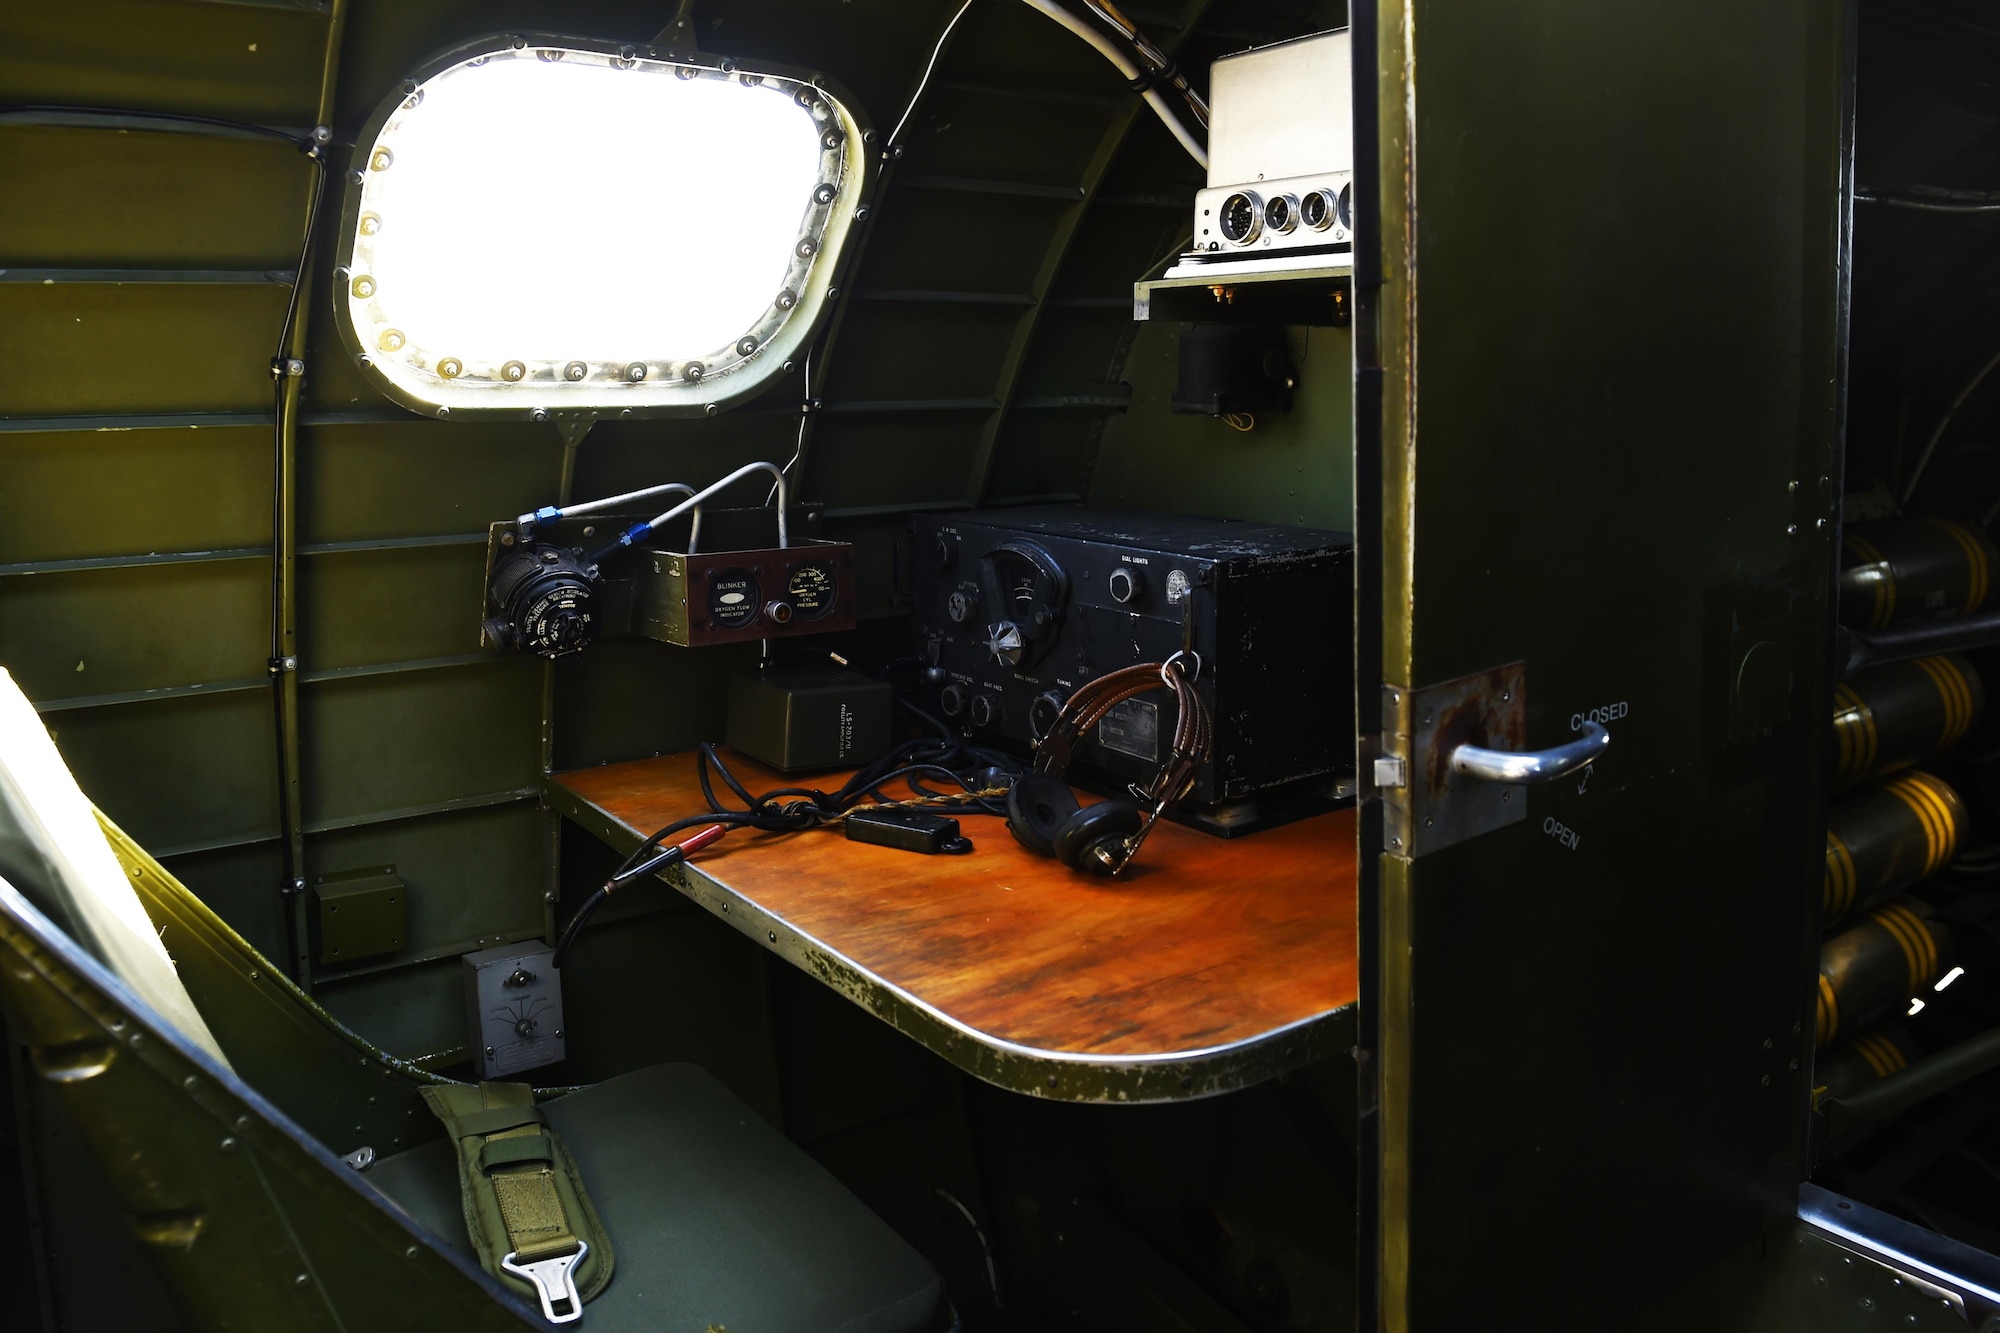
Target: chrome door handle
x,y
1521,766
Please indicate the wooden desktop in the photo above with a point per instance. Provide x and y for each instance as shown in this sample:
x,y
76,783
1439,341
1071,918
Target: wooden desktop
x,y
1210,965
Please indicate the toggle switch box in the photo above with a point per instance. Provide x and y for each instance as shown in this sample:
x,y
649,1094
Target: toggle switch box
x,y
513,1009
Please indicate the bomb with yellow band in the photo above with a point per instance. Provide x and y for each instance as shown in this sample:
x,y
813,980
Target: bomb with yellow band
x,y
1913,569
1871,970
1891,716
1867,1058
1884,838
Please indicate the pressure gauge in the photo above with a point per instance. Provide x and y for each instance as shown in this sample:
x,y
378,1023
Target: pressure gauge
x,y
811,590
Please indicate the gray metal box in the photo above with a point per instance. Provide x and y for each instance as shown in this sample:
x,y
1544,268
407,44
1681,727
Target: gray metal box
x,y
1280,136
513,1009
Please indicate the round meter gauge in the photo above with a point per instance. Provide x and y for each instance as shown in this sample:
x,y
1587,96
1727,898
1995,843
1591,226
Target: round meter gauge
x,y
732,598
811,590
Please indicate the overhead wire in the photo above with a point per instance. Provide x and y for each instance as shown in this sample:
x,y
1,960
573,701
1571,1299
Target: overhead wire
x,y
937,50
303,141
1944,423
805,415
1145,67
1926,199
1142,63
1163,63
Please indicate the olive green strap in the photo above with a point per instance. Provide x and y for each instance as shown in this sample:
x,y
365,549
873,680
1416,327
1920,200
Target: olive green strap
x,y
524,1179
495,1119
523,1197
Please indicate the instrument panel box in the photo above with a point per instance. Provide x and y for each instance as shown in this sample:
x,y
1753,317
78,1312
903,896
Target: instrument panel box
x,y
1014,609
731,596
739,584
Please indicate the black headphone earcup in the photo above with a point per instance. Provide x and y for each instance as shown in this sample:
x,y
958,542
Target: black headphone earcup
x,y
1107,821
1037,807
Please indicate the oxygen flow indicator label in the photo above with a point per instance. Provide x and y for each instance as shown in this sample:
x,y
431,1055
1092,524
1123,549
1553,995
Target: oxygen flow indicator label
x,y
732,598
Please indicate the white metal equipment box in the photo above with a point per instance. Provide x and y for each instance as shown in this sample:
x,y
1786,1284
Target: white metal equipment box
x,y
1280,150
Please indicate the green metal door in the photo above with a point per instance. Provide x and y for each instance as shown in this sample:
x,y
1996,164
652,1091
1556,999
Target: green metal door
x,y
1599,353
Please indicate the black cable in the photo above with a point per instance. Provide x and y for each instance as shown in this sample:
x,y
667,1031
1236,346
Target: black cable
x,y
1928,201
175,117
947,757
670,856
792,809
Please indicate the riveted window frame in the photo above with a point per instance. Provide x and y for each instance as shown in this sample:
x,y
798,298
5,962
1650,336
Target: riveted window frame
x,y
700,385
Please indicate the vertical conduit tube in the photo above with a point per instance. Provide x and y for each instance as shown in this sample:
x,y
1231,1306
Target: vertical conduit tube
x,y
572,438
284,529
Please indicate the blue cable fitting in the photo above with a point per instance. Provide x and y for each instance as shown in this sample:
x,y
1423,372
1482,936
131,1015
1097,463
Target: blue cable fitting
x,y
634,533
547,514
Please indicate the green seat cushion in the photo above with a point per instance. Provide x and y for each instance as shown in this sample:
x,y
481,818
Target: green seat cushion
x,y
716,1218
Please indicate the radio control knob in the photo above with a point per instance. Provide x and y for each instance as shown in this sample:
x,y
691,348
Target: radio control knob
x,y
959,606
1004,641
952,700
984,712
945,552
1042,713
1126,584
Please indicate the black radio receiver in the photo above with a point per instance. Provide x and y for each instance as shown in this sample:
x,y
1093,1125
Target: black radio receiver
x,y
1017,608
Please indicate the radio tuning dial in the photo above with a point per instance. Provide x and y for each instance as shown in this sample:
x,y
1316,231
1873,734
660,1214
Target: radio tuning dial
x,y
952,700
984,711
1126,584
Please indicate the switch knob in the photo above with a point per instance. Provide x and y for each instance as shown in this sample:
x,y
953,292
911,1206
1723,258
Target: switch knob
x,y
984,712
1004,641
952,699
959,606
1042,713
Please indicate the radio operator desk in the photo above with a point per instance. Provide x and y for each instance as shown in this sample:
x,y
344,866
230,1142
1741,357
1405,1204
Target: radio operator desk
x,y
1211,964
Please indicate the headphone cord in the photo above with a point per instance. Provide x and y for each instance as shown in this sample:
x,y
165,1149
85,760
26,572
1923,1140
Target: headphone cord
x,y
983,778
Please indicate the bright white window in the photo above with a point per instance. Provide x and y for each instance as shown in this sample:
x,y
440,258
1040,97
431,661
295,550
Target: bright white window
x,y
548,226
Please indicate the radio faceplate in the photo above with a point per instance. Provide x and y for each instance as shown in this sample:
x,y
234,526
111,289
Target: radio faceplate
x,y
1016,608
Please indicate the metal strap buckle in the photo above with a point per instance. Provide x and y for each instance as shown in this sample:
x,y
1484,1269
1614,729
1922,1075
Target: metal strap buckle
x,y
1175,659
554,1282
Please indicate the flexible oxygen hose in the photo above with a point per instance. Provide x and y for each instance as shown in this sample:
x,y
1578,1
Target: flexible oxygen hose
x,y
1125,63
639,531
